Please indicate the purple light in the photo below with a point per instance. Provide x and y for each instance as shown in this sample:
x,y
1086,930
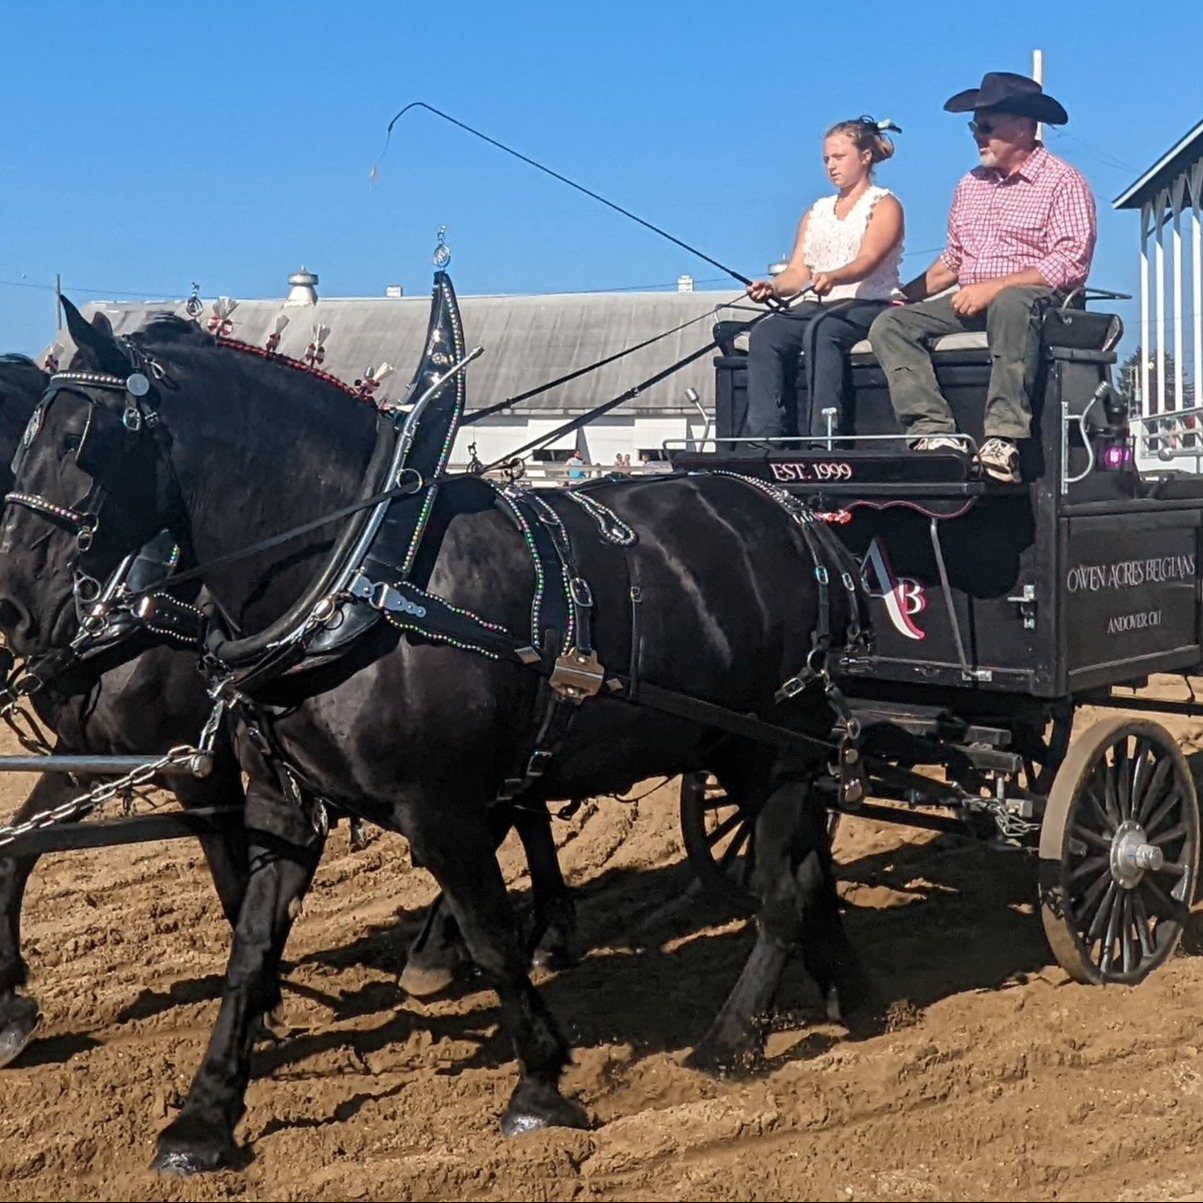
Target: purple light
x,y
1116,455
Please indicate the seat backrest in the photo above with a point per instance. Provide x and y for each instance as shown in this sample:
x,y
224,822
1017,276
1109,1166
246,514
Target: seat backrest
x,y
1081,329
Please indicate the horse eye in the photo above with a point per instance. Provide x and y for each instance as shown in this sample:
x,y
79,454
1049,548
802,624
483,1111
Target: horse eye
x,y
71,442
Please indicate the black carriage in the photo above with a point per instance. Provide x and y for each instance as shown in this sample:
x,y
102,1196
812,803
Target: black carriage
x,y
997,611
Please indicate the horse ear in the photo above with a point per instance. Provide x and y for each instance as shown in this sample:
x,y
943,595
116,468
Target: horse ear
x,y
94,340
76,326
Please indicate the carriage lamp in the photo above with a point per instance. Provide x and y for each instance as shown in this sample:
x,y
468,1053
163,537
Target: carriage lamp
x,y
1116,456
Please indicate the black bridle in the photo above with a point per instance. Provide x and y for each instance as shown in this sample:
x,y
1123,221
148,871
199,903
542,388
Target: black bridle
x,y
95,599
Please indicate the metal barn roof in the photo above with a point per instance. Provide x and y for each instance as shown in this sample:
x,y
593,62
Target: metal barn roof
x,y
528,341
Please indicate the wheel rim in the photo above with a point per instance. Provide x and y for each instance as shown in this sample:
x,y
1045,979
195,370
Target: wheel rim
x,y
720,839
1119,852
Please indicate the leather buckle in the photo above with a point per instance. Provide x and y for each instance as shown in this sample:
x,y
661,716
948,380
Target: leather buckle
x,y
577,676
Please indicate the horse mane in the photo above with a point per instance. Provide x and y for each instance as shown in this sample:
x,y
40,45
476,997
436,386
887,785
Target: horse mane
x,y
170,330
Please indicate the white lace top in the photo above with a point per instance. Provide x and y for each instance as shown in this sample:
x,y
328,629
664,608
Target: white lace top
x,y
833,241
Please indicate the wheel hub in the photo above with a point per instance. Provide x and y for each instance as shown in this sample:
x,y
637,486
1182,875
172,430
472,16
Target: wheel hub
x,y
1132,855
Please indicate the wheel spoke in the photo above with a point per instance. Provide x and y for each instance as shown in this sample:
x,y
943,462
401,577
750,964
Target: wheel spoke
x,y
734,848
1123,778
1092,864
1089,902
1165,907
1170,833
1103,914
1155,787
1127,939
724,828
1092,837
1142,925
1162,813
1104,821
1113,922
1173,868
1110,801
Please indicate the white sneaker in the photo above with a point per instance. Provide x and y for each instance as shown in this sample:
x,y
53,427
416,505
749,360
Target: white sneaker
x,y
999,460
938,442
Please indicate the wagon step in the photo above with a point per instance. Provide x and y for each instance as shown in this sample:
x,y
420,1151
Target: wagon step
x,y
930,720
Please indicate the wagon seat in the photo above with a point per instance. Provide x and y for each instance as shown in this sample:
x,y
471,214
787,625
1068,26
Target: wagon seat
x,y
1076,357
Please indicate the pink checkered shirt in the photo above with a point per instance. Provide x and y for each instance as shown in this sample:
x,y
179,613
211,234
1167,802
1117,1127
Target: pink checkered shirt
x,y
1042,215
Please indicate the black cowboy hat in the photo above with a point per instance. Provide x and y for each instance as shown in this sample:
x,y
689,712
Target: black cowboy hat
x,y
1007,93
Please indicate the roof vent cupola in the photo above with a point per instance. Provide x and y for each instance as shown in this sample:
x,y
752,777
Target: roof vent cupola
x,y
302,288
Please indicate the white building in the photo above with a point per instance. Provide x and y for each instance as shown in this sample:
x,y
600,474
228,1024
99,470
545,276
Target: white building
x,y
1169,197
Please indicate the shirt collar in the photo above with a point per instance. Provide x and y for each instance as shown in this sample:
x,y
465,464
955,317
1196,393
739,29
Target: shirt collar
x,y
1028,170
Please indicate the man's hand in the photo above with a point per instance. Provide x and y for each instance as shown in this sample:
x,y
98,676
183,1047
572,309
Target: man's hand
x,y
972,299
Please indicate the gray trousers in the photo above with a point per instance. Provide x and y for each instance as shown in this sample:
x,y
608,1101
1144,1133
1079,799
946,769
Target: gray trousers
x,y
822,333
900,338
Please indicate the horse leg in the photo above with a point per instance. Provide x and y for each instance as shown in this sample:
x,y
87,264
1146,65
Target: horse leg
x,y
796,907
226,849
438,949
19,1015
554,932
463,859
202,1136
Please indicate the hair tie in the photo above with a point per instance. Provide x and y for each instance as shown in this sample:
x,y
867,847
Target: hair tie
x,y
881,126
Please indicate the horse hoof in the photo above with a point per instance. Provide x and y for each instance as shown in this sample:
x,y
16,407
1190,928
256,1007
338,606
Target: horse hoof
x,y
184,1163
555,957
18,1031
722,1060
535,1107
420,982
187,1147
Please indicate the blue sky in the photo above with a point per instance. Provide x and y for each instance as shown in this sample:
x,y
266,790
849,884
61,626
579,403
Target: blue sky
x,y
146,145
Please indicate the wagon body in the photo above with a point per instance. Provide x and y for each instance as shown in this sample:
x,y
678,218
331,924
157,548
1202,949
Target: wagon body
x,y
997,609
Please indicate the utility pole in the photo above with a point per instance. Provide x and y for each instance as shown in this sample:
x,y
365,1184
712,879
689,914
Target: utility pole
x,y
1038,76
58,296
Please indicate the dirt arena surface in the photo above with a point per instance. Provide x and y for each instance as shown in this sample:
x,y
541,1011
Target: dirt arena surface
x,y
993,1078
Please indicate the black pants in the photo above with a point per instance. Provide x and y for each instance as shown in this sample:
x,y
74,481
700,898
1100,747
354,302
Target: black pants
x,y
823,333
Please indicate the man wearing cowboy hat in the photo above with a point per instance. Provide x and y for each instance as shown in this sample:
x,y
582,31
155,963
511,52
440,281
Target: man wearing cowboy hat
x,y
1021,235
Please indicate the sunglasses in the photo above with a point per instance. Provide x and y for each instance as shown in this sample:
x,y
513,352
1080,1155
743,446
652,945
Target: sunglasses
x,y
983,127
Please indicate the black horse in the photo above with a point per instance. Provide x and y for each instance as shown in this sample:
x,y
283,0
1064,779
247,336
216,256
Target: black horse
x,y
142,697
414,733
146,695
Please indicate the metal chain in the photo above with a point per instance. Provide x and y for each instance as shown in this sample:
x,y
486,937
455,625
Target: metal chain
x,y
1011,826
85,803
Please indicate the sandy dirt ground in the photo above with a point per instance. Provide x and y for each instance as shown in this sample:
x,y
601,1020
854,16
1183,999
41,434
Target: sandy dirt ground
x,y
994,1076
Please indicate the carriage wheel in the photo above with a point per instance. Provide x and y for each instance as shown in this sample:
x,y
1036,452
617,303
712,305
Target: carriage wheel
x,y
1119,852
720,839
1045,751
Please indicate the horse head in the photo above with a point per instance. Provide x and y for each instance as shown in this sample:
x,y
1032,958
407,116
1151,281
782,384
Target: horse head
x,y
22,383
91,484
